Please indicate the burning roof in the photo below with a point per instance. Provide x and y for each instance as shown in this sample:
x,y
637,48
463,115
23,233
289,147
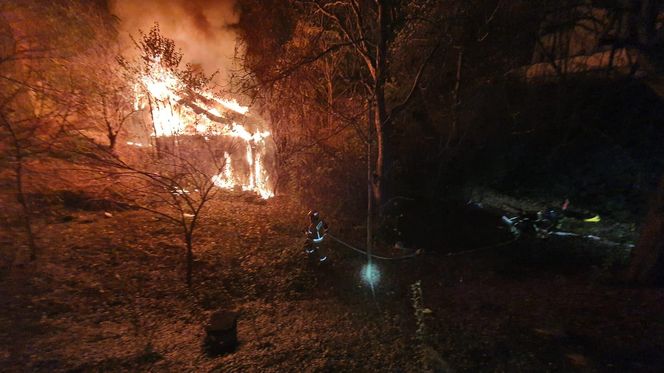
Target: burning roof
x,y
176,110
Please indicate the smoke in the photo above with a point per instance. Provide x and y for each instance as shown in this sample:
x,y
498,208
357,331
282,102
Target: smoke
x,y
199,27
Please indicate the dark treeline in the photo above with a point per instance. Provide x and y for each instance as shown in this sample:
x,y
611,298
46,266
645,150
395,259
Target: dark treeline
x,y
546,99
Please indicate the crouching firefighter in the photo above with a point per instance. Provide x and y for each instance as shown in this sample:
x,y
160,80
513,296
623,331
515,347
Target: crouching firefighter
x,y
315,234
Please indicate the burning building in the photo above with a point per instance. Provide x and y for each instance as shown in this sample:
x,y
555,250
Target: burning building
x,y
171,114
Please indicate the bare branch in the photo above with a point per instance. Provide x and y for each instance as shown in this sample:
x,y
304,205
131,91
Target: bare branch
x,y
416,81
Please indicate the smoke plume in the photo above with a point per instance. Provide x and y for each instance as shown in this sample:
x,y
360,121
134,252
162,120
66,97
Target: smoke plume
x,y
199,27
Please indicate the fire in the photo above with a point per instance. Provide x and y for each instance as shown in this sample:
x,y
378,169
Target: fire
x,y
225,179
176,111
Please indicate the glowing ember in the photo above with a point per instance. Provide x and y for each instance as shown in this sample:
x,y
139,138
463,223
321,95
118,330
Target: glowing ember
x,y
176,111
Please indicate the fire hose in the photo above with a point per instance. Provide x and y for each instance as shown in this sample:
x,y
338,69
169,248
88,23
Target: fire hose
x,y
416,253
412,255
555,233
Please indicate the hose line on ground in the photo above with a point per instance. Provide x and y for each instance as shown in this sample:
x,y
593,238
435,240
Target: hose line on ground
x,y
372,255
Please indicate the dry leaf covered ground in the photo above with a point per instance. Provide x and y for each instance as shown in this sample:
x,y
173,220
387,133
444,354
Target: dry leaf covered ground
x,y
108,294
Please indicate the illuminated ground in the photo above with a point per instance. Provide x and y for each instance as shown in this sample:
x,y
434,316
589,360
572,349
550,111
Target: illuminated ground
x,y
108,294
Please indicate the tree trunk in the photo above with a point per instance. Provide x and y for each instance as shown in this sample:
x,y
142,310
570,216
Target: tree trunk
x,y
647,265
27,221
456,99
369,191
380,109
112,135
157,146
112,140
378,177
20,193
190,257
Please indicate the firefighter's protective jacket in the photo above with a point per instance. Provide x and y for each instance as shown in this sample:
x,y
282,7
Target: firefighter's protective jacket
x,y
316,232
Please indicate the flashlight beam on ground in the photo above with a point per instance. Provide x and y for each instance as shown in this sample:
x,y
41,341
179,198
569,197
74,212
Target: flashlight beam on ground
x,y
370,274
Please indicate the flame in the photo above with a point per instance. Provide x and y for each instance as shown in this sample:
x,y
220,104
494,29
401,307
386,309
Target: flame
x,y
175,111
225,179
228,104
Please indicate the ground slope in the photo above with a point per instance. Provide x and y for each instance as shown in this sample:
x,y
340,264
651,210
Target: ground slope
x,y
108,294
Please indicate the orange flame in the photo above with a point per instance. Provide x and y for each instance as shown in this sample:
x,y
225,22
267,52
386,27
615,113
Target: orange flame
x,y
163,94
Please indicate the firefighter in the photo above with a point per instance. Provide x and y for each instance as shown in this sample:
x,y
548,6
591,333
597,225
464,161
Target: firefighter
x,y
315,234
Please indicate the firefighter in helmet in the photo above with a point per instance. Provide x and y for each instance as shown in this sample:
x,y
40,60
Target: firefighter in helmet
x,y
315,234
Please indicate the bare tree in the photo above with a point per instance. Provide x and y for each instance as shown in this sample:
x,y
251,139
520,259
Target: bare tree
x,y
365,37
33,118
370,30
178,180
109,103
175,186
17,138
40,91
32,115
